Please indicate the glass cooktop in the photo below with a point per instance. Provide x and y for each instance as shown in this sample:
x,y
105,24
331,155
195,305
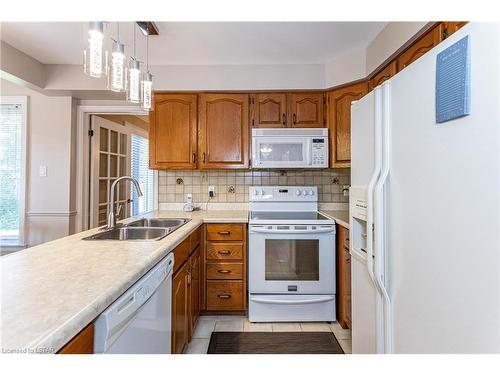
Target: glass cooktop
x,y
287,215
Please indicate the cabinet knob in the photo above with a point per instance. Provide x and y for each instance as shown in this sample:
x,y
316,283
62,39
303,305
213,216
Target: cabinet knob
x,y
294,118
224,271
284,119
224,296
224,252
224,233
194,157
204,158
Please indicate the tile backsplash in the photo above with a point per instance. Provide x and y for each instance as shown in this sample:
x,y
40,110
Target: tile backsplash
x,y
232,186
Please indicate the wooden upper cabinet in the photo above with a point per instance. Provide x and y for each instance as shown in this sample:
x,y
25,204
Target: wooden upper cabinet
x,y
428,41
223,131
451,27
268,110
306,110
172,131
383,75
339,122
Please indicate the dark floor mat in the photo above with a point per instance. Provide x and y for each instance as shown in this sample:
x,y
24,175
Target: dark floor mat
x,y
274,343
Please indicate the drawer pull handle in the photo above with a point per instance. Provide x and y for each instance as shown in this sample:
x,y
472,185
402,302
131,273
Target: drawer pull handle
x,y
224,252
224,271
224,233
224,296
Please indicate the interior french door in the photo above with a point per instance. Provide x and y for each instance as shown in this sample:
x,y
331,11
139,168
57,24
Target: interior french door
x,y
110,159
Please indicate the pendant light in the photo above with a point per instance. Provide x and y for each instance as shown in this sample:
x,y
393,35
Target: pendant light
x,y
147,81
94,54
116,69
134,78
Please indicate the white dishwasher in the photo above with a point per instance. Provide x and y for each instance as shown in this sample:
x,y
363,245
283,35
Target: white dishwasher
x,y
139,321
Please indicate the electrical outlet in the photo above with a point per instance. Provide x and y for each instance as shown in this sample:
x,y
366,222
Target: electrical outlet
x,y
345,190
211,191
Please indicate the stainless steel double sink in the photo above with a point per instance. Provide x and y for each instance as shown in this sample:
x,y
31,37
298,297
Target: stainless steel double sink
x,y
142,229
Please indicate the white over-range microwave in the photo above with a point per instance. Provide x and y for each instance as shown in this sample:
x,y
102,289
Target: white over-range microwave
x,y
290,148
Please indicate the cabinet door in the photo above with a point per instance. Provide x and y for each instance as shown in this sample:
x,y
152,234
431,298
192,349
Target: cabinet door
x,y
194,289
339,122
172,131
383,75
180,313
306,110
268,110
451,27
428,41
223,120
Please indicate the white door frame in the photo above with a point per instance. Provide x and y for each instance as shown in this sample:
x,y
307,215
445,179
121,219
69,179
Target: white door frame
x,y
83,157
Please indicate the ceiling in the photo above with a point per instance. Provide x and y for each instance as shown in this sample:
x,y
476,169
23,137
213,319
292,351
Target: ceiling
x,y
201,43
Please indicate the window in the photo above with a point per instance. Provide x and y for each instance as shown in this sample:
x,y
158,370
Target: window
x,y
12,169
141,172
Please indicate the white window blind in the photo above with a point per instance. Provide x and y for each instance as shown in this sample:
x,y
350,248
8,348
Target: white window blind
x,y
11,172
141,172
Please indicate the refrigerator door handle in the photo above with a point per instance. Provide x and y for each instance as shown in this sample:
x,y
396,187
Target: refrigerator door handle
x,y
380,229
371,184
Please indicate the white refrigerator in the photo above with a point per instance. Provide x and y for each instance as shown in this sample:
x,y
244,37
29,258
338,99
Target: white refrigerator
x,y
425,207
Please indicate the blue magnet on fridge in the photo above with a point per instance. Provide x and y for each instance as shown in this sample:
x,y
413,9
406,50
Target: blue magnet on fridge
x,y
453,81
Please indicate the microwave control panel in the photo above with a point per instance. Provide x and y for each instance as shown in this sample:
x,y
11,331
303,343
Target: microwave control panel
x,y
319,152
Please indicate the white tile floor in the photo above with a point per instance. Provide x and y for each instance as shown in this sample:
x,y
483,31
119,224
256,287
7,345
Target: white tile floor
x,y
208,324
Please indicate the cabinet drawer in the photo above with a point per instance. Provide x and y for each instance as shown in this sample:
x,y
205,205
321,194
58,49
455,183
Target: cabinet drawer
x,y
224,232
225,295
222,251
232,271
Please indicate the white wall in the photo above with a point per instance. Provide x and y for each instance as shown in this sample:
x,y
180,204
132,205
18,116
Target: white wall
x,y
50,140
346,68
201,77
388,41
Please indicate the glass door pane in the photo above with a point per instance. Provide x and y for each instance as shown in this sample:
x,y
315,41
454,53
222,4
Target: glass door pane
x,y
292,259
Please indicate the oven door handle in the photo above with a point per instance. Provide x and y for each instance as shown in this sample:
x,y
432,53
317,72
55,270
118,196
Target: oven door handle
x,y
291,302
284,231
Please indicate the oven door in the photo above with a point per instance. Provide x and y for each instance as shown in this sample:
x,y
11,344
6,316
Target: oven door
x,y
292,259
284,152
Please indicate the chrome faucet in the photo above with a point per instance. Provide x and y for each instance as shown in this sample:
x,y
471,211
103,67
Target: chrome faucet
x,y
111,224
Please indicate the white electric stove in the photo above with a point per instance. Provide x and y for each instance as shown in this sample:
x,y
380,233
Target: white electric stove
x,y
291,256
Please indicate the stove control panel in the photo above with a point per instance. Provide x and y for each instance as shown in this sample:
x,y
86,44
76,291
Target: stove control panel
x,y
283,193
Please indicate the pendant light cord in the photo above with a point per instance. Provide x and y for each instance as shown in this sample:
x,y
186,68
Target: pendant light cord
x,y
135,57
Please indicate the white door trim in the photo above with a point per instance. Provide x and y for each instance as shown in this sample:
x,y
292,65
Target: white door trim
x,y
82,153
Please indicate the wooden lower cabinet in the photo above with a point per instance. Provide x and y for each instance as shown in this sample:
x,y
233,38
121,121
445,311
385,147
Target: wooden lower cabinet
x,y
83,343
225,269
186,289
194,284
180,313
343,278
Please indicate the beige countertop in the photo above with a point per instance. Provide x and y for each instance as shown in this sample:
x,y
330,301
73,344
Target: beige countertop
x,y
51,291
340,217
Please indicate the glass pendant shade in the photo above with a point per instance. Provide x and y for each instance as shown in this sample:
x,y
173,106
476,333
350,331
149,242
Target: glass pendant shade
x,y
117,69
94,56
134,82
147,87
